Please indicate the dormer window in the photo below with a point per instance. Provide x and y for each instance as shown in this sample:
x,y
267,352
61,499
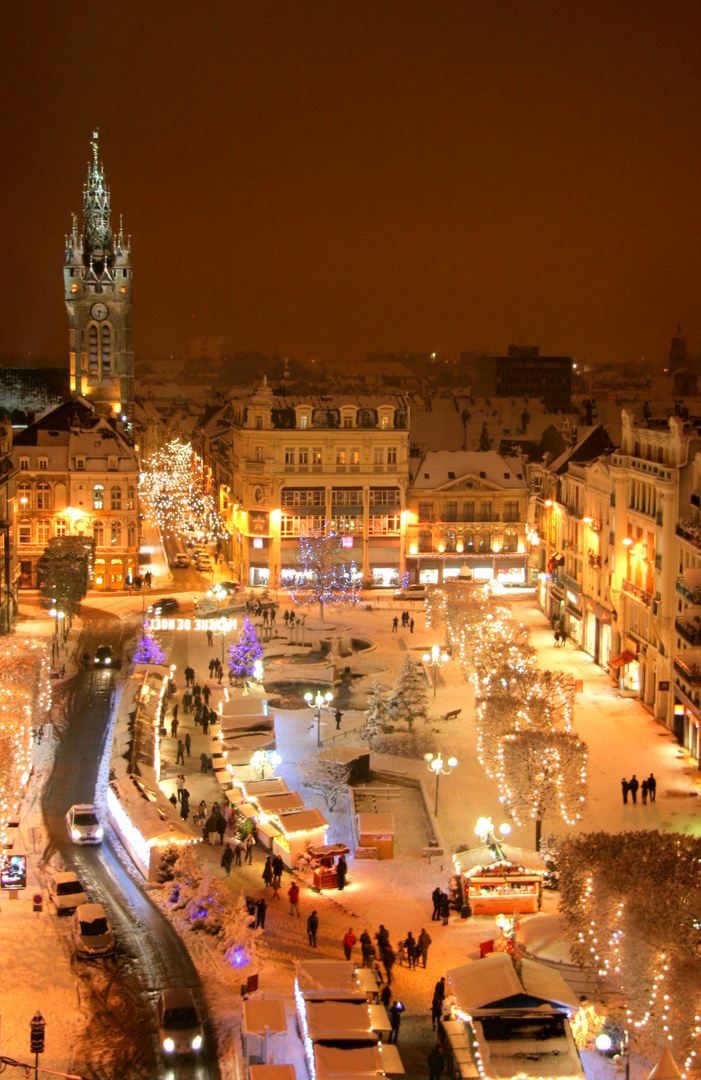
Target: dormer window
x,y
112,463
80,463
24,463
259,423
303,420
43,463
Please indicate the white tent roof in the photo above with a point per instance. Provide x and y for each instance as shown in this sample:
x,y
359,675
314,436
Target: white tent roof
x,y
318,977
481,983
348,1020
152,814
472,858
360,1061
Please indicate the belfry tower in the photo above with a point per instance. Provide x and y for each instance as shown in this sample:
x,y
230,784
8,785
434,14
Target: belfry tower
x,y
97,284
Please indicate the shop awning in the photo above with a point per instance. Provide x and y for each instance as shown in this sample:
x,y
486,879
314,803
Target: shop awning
x,y
621,660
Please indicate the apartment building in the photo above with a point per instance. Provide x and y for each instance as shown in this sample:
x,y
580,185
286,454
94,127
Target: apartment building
x,y
467,511
298,462
77,476
8,560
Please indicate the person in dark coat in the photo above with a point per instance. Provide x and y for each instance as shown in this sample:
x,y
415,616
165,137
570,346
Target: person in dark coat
x,y
439,988
185,804
388,958
267,874
385,996
260,912
188,743
436,1010
382,938
633,786
644,791
652,788
278,867
445,909
227,857
312,927
436,896
436,1063
180,758
625,788
238,851
423,942
412,951
395,624
221,827
205,721
366,947
341,872
206,693
395,1016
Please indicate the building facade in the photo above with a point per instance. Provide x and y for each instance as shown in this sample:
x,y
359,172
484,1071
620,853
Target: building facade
x,y
8,555
298,463
97,280
77,476
467,511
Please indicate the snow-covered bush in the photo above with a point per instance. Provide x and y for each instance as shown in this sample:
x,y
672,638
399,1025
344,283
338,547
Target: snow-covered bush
x,y
409,744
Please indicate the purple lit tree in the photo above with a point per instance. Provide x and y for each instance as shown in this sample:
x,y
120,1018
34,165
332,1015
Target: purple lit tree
x,y
148,651
243,655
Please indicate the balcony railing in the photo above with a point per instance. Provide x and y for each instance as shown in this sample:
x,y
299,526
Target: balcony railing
x,y
690,632
688,669
689,532
693,595
636,592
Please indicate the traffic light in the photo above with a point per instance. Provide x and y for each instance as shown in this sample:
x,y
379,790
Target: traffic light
x,y
37,1025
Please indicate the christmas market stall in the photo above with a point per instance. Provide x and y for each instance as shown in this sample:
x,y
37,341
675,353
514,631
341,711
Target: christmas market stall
x,y
146,823
325,856
261,1020
298,830
376,831
334,980
500,879
332,1063
510,1020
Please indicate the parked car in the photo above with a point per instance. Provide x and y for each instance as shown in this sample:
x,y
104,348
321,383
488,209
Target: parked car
x,y
181,560
230,587
165,606
104,656
179,1023
204,566
83,824
92,933
411,592
65,891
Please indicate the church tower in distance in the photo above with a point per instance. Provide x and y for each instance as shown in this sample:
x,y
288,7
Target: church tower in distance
x,y
97,284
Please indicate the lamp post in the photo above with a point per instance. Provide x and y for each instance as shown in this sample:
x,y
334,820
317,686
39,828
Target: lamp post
x,y
225,626
437,765
435,659
321,701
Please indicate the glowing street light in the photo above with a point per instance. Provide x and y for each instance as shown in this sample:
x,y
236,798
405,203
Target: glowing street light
x,y
321,701
437,765
435,659
260,759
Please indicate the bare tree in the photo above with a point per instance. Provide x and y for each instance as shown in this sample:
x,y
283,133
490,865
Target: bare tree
x,y
327,778
542,772
327,578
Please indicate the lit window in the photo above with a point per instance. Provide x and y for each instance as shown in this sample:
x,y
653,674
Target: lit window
x,y
24,463
43,531
61,527
74,287
24,531
115,497
43,497
98,497
116,534
98,531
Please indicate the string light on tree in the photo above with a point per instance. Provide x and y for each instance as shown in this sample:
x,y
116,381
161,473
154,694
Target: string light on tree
x,y
175,493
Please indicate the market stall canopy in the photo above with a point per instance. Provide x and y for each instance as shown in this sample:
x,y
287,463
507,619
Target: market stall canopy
x,y
666,1068
471,860
494,982
308,820
543,938
320,978
274,786
249,741
376,824
621,660
278,804
248,706
329,1061
336,1021
151,813
259,1014
322,851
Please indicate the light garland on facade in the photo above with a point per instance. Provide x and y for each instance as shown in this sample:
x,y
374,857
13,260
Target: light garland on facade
x,y
25,698
173,490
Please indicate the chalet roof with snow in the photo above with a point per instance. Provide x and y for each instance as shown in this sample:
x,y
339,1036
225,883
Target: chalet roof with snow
x,y
493,984
486,857
443,469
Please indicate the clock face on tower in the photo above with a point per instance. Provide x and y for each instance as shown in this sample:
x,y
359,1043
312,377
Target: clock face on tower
x,y
99,311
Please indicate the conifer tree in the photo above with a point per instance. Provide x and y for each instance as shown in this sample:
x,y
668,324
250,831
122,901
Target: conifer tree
x,y
243,655
148,651
409,698
377,714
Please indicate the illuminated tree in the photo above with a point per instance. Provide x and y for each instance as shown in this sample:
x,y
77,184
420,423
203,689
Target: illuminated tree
x,y
148,651
542,772
632,907
327,579
243,655
377,714
409,698
173,491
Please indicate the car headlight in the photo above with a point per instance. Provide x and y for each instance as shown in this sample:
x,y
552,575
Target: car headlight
x,y
168,1045
107,660
100,831
197,1042
75,834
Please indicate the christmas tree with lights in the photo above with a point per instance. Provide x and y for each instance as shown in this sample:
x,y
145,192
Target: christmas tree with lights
x,y
148,651
243,655
327,579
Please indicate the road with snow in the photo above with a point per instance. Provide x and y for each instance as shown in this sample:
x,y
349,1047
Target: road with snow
x,y
150,955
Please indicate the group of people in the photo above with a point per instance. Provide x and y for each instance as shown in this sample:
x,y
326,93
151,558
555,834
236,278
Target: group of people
x,y
648,789
411,949
407,621
216,669
272,874
242,849
560,638
441,906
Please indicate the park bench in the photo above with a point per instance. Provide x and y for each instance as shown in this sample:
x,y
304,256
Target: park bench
x,y
431,852
453,714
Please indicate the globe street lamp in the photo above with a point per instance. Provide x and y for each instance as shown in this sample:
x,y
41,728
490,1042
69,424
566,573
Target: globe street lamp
x,y
321,701
435,659
437,765
224,628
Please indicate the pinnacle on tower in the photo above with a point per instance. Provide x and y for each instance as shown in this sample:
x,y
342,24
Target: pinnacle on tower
x,y
97,236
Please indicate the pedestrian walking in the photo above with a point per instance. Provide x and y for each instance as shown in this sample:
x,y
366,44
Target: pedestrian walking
x,y
385,996
349,940
405,618
293,894
210,638
206,694
175,712
249,845
423,942
227,857
286,617
557,639
180,760
188,743
341,872
185,701
633,786
367,948
395,1015
395,624
436,1010
185,804
338,717
439,988
625,787
174,726
261,908
312,927
205,720
436,896
220,673
173,798
436,1063
411,631
179,785
652,788
445,909
643,792
563,636
388,959
212,663
382,938
221,827
267,874
272,615
278,867
238,851
189,676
